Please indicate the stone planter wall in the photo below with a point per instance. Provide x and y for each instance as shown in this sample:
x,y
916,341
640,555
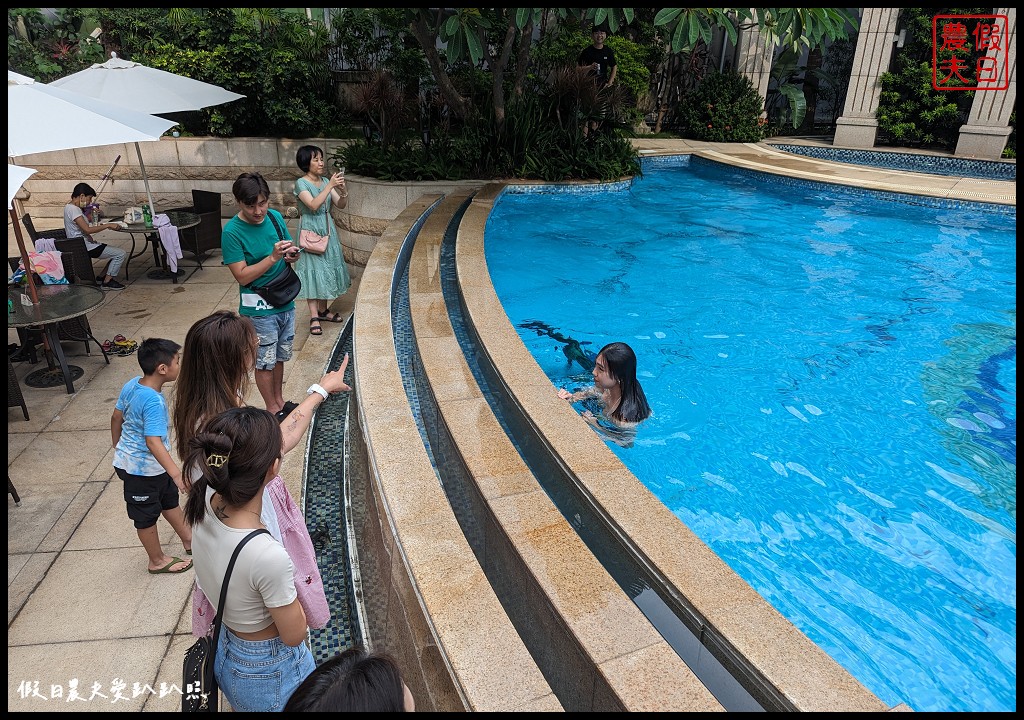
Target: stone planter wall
x,y
175,166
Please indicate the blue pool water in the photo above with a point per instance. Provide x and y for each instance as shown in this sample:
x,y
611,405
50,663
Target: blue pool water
x,y
833,378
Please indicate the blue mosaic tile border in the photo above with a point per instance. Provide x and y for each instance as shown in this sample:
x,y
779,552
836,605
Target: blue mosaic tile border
x,y
931,164
850,191
673,161
325,517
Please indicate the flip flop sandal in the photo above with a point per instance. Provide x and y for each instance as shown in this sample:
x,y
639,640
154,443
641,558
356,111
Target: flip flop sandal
x,y
167,568
123,346
315,329
331,317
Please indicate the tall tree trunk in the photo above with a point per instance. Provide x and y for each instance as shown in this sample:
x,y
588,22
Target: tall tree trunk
x,y
814,60
427,38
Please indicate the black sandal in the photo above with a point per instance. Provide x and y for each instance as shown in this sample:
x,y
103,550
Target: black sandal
x,y
315,330
327,316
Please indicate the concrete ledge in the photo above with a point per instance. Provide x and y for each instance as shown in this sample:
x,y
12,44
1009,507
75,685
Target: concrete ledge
x,y
579,622
427,598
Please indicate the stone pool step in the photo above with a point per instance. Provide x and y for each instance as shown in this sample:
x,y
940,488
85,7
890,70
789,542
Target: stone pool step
x,y
427,599
594,645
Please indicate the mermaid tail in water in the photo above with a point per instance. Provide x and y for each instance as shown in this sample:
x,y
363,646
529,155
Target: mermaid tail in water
x,y
573,349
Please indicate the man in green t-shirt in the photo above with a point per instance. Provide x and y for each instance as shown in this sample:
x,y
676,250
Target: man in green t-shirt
x,y
255,249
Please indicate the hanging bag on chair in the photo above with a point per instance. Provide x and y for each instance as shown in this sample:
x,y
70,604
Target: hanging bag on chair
x,y
200,691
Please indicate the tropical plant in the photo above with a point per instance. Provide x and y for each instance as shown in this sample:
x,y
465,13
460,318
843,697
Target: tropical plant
x,y
785,101
500,38
542,137
725,107
46,48
834,78
384,105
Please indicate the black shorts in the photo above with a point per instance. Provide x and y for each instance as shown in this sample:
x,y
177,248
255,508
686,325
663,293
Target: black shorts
x,y
147,496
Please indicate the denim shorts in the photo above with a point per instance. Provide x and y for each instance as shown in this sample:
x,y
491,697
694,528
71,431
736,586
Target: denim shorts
x,y
260,675
276,334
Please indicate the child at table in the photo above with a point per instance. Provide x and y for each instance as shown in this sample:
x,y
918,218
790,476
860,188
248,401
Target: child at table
x,y
76,225
142,454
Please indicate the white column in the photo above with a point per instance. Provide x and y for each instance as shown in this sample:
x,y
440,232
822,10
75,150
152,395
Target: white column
x,y
754,56
858,126
988,126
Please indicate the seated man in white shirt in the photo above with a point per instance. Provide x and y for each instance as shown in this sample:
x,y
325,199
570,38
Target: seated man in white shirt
x,y
76,225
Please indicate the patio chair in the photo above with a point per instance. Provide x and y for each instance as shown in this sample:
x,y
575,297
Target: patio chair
x,y
84,269
80,259
198,241
12,491
56,234
14,399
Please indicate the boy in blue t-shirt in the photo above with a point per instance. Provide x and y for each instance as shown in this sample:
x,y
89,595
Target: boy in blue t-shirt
x,y
142,454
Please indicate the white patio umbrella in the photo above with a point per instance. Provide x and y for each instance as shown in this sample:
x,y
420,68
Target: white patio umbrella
x,y
41,118
16,177
140,87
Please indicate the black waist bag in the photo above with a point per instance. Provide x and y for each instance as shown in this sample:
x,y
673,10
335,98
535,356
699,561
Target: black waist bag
x,y
283,287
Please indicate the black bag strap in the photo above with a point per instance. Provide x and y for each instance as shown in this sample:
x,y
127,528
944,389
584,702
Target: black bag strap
x,y
277,225
224,588
280,236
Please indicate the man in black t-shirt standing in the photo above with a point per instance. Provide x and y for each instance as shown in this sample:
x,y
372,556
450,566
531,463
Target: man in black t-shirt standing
x,y
600,60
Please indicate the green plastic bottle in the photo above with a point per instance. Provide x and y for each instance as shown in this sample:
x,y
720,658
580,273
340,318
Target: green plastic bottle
x,y
147,216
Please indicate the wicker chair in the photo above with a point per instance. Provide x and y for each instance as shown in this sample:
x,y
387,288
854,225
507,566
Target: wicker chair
x,y
84,269
80,259
14,396
204,237
56,234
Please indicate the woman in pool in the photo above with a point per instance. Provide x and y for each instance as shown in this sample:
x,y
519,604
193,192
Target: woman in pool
x,y
618,392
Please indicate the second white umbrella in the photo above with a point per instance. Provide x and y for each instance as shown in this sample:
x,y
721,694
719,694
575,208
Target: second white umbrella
x,y
140,87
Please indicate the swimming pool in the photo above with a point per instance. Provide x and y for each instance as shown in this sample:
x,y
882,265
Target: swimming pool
x,y
833,378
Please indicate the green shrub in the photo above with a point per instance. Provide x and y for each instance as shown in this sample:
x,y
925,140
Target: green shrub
x,y
725,107
542,138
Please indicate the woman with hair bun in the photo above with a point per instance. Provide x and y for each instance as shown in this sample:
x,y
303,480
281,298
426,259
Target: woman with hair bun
x,y
261,652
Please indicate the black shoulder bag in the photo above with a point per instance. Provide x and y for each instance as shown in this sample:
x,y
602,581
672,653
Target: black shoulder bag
x,y
283,287
200,692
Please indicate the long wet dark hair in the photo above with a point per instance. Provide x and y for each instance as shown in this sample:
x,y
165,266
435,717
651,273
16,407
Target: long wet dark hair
x,y
621,362
232,453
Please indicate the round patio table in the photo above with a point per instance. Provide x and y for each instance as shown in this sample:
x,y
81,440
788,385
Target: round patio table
x,y
181,219
56,303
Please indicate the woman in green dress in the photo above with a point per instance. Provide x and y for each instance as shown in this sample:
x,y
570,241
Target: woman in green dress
x,y
324,276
